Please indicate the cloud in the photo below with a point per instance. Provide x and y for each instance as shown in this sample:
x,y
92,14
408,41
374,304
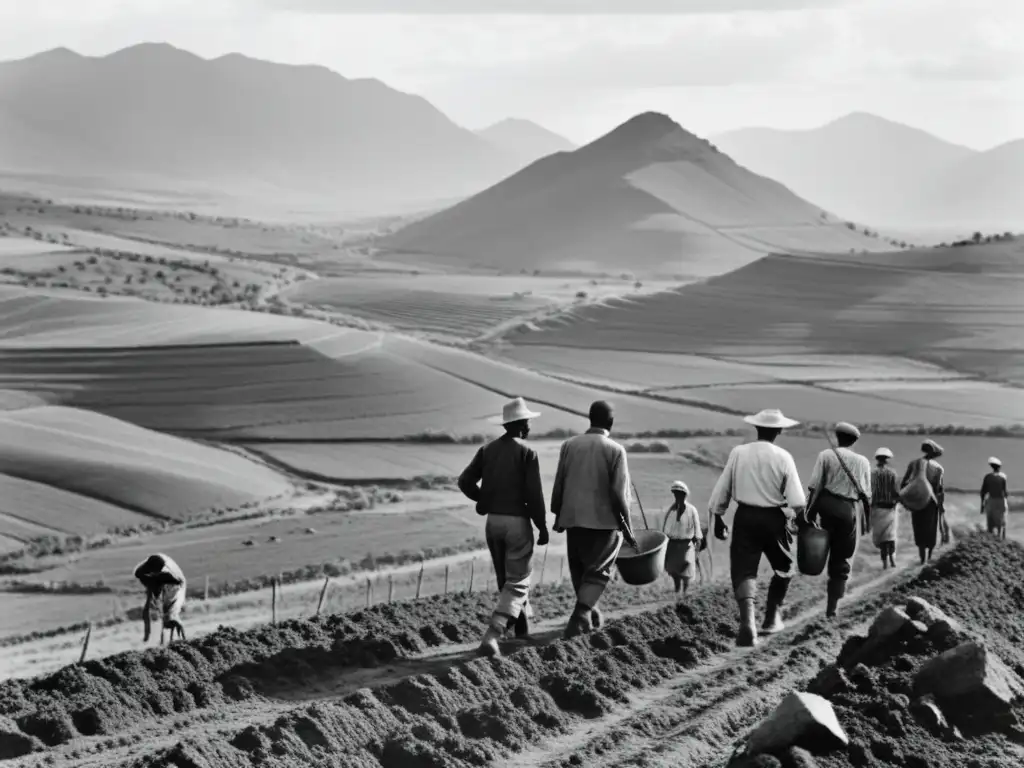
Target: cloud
x,y
548,7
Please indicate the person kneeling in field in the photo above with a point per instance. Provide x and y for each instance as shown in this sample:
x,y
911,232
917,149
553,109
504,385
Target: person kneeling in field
x,y
165,584
994,501
682,525
504,481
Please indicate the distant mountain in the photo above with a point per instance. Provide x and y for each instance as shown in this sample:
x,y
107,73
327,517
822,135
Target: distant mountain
x,y
860,166
524,139
648,197
982,191
158,112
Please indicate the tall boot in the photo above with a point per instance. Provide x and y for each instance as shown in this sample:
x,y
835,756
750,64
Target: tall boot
x,y
773,612
836,590
892,554
579,621
522,625
745,593
489,642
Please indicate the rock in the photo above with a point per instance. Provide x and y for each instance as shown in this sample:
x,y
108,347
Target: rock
x,y
981,687
928,713
888,623
923,611
795,757
802,719
829,681
891,624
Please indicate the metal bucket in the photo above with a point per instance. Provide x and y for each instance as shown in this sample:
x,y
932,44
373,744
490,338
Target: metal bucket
x,y
812,548
646,564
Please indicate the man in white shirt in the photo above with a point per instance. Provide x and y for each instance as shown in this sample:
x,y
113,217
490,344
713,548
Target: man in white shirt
x,y
763,480
835,499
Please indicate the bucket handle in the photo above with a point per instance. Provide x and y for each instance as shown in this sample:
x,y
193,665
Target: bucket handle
x,y
641,505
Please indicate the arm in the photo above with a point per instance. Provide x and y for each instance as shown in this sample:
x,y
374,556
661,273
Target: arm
x,y
146,621
908,474
984,488
794,491
698,534
722,493
469,480
939,488
621,496
535,492
816,473
556,491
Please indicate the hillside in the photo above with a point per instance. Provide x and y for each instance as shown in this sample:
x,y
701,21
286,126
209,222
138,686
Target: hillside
x,y
860,167
525,139
649,197
982,191
158,113
959,307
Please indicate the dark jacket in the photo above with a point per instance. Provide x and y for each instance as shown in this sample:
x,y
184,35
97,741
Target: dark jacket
x,y
504,479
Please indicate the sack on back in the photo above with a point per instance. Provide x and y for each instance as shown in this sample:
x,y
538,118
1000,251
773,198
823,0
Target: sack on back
x,y
917,493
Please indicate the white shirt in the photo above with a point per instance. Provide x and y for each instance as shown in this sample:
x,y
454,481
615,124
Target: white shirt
x,y
828,467
685,526
758,474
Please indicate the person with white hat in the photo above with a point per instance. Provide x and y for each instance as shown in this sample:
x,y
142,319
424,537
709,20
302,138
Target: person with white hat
x,y
682,526
994,498
839,482
885,496
763,480
926,514
504,481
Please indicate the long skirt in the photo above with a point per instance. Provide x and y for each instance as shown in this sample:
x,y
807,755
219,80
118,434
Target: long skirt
x,y
681,558
995,513
926,526
885,524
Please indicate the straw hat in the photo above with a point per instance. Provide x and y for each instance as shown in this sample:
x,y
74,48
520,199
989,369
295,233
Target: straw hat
x,y
514,410
679,485
930,446
994,462
770,418
883,453
845,428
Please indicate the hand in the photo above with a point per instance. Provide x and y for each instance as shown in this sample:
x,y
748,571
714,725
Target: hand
x,y
631,539
721,529
145,634
542,537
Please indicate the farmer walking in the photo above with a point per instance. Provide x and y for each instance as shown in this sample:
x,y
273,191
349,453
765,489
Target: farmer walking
x,y
885,495
994,502
504,480
165,586
762,478
840,481
591,500
923,494
682,525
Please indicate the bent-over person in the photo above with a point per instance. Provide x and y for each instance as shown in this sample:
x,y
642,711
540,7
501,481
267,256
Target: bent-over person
x,y
995,502
165,586
926,521
763,480
504,480
885,498
591,501
836,498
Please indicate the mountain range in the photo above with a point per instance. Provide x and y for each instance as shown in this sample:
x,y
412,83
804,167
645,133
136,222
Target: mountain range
x,y
525,139
867,168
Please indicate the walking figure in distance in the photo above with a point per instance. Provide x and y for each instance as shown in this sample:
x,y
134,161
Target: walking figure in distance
x,y
926,518
682,525
885,496
994,498
165,586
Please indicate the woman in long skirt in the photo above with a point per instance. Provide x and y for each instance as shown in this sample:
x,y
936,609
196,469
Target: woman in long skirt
x,y
682,525
925,521
885,496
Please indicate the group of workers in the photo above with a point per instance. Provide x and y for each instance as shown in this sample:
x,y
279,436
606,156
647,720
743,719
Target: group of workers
x,y
591,502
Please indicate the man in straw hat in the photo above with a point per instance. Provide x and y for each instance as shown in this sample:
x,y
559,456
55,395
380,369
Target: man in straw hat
x,y
994,498
885,495
504,481
836,496
763,480
591,501
682,526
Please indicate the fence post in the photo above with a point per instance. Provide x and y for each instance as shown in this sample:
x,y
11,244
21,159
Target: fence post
x,y
85,643
472,571
543,566
323,593
206,589
561,571
391,586
446,578
419,580
369,591
273,601
280,583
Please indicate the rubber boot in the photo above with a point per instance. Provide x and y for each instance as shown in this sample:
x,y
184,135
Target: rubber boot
x,y
579,621
522,626
746,637
773,612
836,590
489,642
596,618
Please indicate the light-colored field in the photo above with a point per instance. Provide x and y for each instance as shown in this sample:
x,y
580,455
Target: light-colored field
x,y
147,474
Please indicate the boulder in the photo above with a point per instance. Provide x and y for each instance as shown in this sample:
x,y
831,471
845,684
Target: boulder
x,y
928,713
891,624
801,719
888,623
830,681
923,611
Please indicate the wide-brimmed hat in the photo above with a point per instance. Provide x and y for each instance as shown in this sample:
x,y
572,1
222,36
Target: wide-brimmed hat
x,y
514,410
846,428
994,462
883,453
770,418
930,446
679,485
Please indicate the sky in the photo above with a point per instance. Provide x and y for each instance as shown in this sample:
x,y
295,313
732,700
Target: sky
x,y
581,67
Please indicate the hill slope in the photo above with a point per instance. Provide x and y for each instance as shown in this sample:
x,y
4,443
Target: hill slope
x,y
983,191
648,197
525,139
860,166
155,111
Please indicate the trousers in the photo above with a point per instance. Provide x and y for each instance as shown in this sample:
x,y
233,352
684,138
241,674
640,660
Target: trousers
x,y
758,531
591,554
838,516
510,542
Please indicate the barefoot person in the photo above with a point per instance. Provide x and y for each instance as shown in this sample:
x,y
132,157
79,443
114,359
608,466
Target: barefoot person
x,y
682,526
165,586
504,481
925,519
994,502
591,500
838,501
885,495
762,478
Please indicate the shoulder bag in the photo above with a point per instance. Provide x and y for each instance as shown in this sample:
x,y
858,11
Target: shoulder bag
x,y
918,493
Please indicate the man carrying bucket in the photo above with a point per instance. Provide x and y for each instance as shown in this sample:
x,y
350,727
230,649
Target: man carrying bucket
x,y
591,501
994,501
504,481
682,526
762,477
